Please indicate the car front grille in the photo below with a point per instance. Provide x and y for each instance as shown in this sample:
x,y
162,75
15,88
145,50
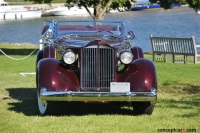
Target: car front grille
x,y
97,68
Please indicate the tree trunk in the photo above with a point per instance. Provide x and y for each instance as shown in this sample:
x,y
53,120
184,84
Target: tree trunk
x,y
99,13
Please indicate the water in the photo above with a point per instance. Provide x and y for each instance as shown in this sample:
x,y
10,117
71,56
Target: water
x,y
179,22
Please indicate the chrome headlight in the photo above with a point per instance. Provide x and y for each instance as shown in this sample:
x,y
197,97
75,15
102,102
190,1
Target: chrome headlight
x,y
126,57
69,57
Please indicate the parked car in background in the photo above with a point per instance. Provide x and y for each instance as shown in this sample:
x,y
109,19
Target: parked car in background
x,y
93,61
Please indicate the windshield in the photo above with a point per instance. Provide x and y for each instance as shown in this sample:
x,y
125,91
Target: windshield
x,y
108,31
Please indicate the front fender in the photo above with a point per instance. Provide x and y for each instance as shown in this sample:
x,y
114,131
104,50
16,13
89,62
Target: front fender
x,y
49,52
137,53
141,74
54,77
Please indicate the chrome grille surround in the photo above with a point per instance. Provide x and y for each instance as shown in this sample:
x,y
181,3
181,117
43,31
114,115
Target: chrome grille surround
x,y
97,68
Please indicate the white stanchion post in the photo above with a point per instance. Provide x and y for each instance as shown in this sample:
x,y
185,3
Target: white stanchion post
x,y
41,44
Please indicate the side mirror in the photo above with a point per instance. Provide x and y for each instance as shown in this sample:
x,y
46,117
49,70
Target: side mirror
x,y
130,35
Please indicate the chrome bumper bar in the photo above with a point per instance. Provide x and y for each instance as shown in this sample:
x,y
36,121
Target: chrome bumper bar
x,y
98,96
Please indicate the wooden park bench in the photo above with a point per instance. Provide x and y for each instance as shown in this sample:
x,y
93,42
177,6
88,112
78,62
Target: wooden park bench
x,y
174,46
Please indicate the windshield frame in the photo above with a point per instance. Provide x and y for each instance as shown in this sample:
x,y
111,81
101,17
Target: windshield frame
x,y
99,28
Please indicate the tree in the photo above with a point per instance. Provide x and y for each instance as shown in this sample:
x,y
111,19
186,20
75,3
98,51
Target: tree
x,y
101,6
166,4
195,4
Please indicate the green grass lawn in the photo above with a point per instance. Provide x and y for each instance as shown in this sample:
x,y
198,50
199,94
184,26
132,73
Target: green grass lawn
x,y
178,104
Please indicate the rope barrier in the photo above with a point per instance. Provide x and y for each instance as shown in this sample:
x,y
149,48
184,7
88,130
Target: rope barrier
x,y
27,73
17,58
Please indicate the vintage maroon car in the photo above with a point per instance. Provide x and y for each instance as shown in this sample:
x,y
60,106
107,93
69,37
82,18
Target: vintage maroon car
x,y
93,61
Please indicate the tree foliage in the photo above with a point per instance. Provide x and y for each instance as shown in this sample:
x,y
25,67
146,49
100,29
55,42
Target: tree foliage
x,y
166,4
101,6
153,1
41,1
195,4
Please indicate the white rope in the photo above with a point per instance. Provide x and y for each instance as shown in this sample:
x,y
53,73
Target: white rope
x,y
17,58
27,73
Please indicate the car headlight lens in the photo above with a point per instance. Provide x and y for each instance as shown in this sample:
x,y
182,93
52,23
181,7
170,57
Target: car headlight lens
x,y
126,57
69,57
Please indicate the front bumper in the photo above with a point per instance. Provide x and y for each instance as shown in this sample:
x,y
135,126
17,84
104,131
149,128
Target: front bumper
x,y
98,96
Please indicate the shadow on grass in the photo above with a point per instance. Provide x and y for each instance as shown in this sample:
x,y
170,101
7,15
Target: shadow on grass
x,y
26,100
27,104
185,89
188,95
190,106
18,51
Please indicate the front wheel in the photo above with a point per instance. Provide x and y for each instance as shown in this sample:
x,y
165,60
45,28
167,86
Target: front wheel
x,y
141,108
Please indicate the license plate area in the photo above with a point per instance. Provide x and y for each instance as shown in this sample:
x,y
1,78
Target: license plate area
x,y
119,87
